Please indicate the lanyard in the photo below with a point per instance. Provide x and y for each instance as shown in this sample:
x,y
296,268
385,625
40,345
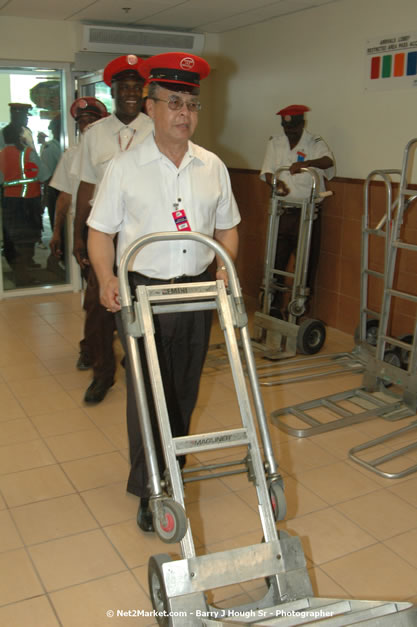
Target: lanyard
x,y
128,143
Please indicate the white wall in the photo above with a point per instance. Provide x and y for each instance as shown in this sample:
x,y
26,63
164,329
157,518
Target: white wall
x,y
317,58
314,57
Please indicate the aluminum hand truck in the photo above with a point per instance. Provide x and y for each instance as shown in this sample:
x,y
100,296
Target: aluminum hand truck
x,y
178,587
282,338
383,363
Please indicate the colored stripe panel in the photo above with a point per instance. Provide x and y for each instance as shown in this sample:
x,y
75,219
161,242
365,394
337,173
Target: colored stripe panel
x,y
399,63
386,66
375,67
411,63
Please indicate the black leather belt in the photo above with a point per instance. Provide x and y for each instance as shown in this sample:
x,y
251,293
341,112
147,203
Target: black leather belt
x,y
135,278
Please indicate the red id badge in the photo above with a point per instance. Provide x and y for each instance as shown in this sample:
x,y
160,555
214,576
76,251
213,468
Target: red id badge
x,y
181,220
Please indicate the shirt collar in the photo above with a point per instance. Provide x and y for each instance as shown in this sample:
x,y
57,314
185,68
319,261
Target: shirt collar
x,y
117,125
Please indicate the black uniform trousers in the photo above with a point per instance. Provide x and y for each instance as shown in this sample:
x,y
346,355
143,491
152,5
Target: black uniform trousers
x,y
287,241
99,328
182,341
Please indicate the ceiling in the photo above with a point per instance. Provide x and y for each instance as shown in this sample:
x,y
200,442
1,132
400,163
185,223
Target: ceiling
x,y
210,16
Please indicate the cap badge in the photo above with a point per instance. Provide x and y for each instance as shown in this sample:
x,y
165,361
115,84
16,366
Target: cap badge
x,y
82,104
287,118
131,59
187,63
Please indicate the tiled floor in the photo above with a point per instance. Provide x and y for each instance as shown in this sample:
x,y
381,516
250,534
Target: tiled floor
x,y
70,549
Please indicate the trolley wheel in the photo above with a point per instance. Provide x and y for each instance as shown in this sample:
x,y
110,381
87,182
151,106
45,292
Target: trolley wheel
x,y
371,334
404,354
174,526
392,356
278,501
311,336
157,588
295,309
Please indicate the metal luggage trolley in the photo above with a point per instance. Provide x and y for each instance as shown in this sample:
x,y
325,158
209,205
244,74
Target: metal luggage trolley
x,y
178,587
395,359
383,364
282,338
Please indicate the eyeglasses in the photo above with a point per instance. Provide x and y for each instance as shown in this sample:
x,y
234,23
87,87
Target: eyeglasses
x,y
175,103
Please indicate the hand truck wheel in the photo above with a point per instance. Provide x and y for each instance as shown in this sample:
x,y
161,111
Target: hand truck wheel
x,y
371,334
392,356
404,354
311,336
157,588
174,525
278,500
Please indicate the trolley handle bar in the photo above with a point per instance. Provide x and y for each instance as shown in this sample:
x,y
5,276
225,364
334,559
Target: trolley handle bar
x,y
125,295
311,171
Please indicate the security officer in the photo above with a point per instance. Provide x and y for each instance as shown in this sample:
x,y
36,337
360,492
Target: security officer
x,y
119,132
85,111
296,148
142,192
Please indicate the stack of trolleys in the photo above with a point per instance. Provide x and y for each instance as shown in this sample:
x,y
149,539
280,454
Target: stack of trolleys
x,y
279,339
178,587
395,359
372,399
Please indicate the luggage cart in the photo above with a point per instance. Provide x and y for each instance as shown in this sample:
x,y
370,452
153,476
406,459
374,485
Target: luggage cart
x,y
395,359
178,587
383,365
367,332
282,338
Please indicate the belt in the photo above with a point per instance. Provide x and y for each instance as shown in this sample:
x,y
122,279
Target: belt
x,y
135,278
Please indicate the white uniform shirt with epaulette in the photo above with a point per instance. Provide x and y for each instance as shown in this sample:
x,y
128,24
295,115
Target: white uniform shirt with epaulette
x,y
279,154
103,140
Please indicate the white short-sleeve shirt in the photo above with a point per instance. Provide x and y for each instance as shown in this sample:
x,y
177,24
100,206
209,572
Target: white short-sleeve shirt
x,y
105,138
62,179
139,193
279,154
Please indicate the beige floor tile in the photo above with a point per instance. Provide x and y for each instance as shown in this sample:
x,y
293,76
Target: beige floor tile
x,y
299,499
324,586
96,471
35,612
10,406
61,422
207,489
9,536
135,546
75,559
77,445
407,490
204,421
340,441
336,483
24,456
302,454
405,545
374,572
107,413
221,518
23,372
16,431
13,354
116,433
55,518
88,604
382,514
18,579
213,392
36,484
327,534
392,466
2,502
111,504
41,396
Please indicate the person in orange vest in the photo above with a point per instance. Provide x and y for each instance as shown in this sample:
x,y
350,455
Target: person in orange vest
x,y
21,174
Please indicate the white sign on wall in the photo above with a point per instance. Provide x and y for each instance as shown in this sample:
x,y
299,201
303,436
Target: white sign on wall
x,y
391,62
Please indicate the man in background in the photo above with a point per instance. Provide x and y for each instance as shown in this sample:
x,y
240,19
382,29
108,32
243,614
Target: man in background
x,y
119,132
295,148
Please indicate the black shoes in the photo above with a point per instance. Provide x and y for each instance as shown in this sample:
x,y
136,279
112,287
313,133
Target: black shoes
x,y
83,362
145,518
97,390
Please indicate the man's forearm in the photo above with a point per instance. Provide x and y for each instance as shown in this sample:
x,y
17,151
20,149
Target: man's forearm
x,y
101,254
322,164
229,239
83,207
62,206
